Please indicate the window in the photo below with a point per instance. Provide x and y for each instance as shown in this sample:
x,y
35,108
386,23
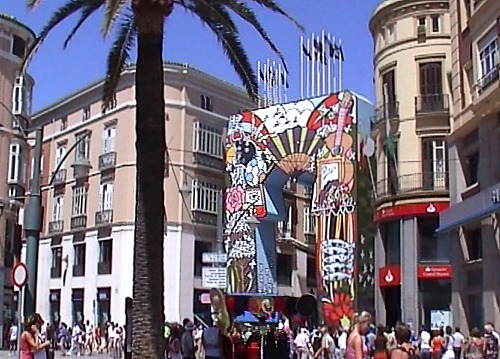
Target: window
x,y
436,23
390,232
18,46
106,196
86,113
79,199
422,21
431,88
311,272
206,102
64,123
105,256
285,227
432,249
57,209
472,168
391,33
207,140
309,221
56,267
389,81
434,163
32,167
392,169
108,139
82,150
15,163
474,244
60,153
21,99
284,269
488,57
475,310
204,196
79,260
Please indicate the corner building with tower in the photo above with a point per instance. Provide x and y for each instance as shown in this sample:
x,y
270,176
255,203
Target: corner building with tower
x,y
412,59
15,38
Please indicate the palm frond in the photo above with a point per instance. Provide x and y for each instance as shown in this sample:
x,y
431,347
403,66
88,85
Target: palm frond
x,y
31,4
274,7
112,12
86,12
247,14
229,40
64,12
118,57
223,15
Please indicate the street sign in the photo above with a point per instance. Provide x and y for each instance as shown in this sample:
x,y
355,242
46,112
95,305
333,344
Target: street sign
x,y
213,277
19,275
213,257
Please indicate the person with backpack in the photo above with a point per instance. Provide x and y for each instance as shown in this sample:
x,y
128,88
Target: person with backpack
x,y
404,349
448,344
490,349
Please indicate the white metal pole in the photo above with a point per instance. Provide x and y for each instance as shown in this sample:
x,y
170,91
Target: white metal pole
x,y
302,67
268,77
318,69
276,82
285,80
258,84
313,63
20,296
308,69
334,65
340,64
329,64
323,63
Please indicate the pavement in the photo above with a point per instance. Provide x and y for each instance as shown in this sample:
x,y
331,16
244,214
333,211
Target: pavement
x,y
5,355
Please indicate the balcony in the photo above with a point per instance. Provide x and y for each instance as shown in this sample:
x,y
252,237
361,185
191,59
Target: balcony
x,y
391,111
56,226
415,184
79,270
107,161
78,222
104,267
55,272
104,217
432,104
200,217
209,162
60,177
486,93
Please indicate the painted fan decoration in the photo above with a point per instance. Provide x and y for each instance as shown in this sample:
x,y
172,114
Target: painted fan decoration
x,y
293,148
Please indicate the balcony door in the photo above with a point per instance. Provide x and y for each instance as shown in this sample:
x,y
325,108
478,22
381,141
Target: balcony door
x,y
434,163
388,79
431,87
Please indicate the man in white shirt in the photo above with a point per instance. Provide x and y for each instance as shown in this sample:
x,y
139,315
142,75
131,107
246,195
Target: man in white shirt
x,y
343,342
458,342
327,343
425,344
301,343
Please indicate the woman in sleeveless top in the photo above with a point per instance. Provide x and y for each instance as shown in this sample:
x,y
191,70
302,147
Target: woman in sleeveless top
x,y
29,344
404,349
474,346
356,346
437,344
448,340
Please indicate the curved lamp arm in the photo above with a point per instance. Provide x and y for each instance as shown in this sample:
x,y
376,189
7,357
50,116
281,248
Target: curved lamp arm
x,y
80,140
16,120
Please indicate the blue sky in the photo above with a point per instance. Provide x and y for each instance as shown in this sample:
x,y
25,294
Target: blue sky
x,y
58,72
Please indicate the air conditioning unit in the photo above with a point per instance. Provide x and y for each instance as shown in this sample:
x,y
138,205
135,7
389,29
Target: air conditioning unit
x,y
21,103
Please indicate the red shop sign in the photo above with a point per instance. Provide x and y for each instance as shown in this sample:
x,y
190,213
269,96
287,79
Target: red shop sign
x,y
409,210
389,276
434,271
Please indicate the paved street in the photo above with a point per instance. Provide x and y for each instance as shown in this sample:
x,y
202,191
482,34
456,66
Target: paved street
x,y
5,354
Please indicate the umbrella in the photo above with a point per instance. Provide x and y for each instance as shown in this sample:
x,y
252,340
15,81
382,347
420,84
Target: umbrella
x,y
248,317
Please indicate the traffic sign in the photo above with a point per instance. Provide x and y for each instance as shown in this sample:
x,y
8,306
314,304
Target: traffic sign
x,y
213,277
213,257
19,275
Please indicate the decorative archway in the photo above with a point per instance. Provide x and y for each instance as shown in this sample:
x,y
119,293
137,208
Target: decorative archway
x,y
314,140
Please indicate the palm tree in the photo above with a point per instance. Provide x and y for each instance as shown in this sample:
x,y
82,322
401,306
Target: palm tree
x,y
141,22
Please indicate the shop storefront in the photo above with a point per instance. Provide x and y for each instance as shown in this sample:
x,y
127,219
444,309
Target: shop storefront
x,y
103,305
55,306
77,299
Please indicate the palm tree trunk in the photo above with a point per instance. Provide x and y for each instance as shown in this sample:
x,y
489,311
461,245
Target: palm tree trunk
x,y
148,308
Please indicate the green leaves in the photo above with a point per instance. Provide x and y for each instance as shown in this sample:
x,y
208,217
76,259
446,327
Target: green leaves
x,y
118,57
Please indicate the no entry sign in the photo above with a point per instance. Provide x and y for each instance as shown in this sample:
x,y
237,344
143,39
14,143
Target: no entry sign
x,y
19,275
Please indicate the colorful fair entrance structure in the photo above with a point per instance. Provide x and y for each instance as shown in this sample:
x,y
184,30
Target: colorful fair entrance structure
x,y
315,142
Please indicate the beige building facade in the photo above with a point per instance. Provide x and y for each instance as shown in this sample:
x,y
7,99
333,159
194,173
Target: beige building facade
x,y
86,250
472,221
15,37
412,57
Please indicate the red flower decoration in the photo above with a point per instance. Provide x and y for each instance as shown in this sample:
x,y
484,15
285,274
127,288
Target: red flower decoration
x,y
342,305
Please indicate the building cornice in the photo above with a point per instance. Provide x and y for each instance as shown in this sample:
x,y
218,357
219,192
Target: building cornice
x,y
392,10
13,21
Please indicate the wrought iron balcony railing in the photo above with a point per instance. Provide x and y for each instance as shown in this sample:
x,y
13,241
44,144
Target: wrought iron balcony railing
x,y
79,221
389,111
104,217
107,161
56,226
412,183
435,103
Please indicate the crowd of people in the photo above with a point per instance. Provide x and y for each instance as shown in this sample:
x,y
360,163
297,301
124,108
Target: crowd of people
x,y
361,341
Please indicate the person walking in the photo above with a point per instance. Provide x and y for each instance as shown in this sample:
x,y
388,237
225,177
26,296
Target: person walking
x,y
212,342
174,343
356,346
187,341
490,343
474,345
458,343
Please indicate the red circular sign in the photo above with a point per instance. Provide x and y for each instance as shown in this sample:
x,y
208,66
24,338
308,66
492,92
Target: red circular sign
x,y
19,275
